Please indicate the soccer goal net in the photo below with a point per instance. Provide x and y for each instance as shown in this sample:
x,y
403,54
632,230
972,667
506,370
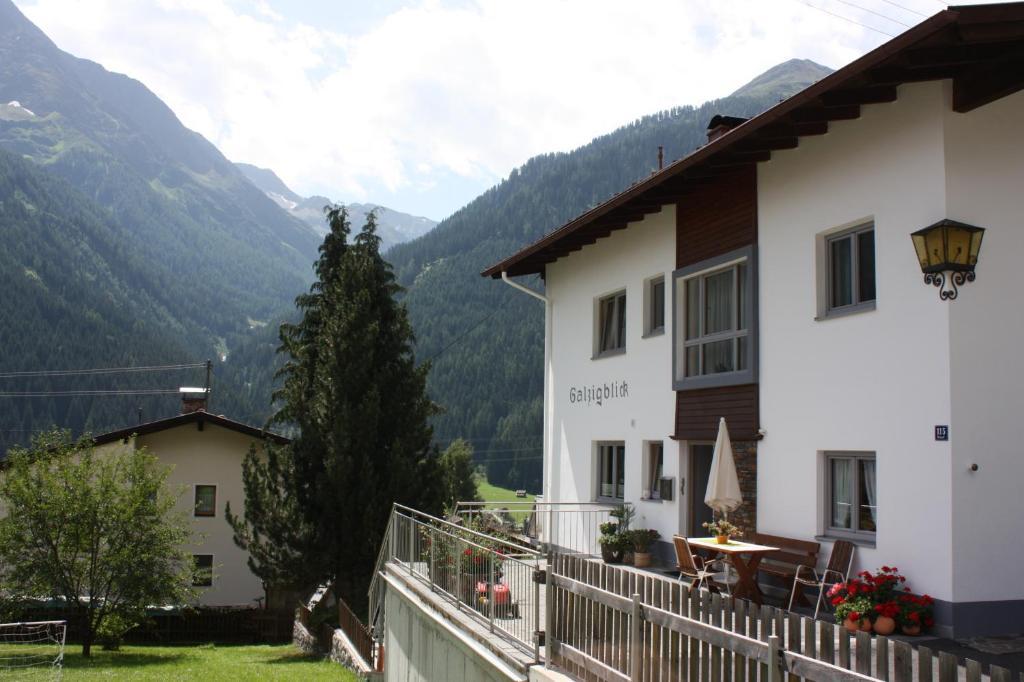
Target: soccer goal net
x,y
32,649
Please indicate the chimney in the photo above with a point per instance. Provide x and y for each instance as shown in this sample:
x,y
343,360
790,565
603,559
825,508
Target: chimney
x,y
193,400
720,125
661,157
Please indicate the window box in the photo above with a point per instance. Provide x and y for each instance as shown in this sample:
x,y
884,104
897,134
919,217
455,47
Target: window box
x,y
715,330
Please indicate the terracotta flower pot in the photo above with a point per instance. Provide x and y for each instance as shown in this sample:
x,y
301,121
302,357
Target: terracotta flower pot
x,y
864,625
722,539
641,559
911,630
884,625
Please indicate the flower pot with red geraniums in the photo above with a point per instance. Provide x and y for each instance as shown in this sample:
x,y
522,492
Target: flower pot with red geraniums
x,y
885,618
915,613
853,614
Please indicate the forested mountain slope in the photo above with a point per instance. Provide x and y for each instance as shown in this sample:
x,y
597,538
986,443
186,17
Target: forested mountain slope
x,y
486,340
143,244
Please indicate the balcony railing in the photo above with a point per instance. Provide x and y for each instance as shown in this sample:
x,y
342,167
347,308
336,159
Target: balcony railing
x,y
492,579
566,527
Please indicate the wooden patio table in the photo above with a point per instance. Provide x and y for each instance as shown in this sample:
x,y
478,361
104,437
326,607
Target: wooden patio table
x,y
746,568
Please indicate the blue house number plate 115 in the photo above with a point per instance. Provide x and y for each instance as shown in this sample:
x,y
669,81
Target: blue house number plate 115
x,y
941,432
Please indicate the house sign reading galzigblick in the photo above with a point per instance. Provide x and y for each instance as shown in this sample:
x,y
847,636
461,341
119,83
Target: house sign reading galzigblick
x,y
598,393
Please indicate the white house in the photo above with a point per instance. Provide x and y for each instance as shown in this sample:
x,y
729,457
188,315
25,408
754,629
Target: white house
x,y
770,278
205,452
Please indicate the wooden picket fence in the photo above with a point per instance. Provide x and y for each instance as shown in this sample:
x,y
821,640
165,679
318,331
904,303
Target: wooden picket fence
x,y
615,625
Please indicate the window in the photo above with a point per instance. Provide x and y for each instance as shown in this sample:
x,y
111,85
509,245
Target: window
x,y
852,498
202,575
850,259
206,500
654,306
714,337
611,324
654,469
611,475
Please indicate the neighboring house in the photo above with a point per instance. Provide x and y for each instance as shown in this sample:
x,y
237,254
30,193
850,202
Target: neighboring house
x,y
770,278
205,453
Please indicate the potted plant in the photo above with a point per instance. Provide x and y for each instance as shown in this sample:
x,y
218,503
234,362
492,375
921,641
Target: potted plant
x,y
613,547
722,530
853,613
885,617
610,551
915,613
641,540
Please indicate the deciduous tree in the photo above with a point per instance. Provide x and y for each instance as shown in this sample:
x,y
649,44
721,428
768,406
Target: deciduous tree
x,y
97,529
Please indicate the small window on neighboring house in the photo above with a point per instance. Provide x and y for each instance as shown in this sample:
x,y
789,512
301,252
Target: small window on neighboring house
x,y
611,475
654,468
851,499
611,324
850,270
654,306
206,500
202,575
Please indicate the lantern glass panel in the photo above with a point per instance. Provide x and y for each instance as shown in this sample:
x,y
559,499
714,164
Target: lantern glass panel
x,y
921,247
975,247
958,245
935,241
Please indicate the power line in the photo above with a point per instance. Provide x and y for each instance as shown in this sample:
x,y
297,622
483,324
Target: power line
x,y
50,394
852,21
907,9
871,11
97,371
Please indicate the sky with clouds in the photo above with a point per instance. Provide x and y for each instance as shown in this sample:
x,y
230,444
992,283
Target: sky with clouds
x,y
420,105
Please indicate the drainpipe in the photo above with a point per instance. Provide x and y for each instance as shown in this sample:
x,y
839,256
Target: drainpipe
x,y
548,484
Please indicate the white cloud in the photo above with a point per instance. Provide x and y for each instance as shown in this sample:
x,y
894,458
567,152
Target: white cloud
x,y
433,90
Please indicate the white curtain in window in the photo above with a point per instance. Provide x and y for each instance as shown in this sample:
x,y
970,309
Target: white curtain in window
x,y
842,492
869,487
718,302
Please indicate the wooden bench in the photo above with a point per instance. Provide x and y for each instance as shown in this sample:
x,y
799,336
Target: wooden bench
x,y
783,563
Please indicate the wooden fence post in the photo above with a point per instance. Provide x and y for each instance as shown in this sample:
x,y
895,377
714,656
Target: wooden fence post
x,y
636,634
774,670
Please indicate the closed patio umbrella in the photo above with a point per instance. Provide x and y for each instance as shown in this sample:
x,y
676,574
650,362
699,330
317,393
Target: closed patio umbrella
x,y
723,494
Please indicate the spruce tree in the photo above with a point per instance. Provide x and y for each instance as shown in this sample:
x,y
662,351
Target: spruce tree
x,y
354,395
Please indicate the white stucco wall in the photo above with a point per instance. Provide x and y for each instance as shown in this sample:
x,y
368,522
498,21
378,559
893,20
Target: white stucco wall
x,y
874,381
985,187
624,260
211,456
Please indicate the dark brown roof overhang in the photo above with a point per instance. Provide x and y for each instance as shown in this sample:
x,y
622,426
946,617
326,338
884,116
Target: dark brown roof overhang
x,y
199,418
979,47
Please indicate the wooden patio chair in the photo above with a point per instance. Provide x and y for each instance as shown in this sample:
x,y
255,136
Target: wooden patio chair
x,y
838,571
700,572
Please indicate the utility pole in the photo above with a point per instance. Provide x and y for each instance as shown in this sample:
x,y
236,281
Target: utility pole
x,y
209,372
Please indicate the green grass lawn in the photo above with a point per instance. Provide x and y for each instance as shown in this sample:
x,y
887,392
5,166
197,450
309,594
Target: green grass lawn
x,y
492,493
200,662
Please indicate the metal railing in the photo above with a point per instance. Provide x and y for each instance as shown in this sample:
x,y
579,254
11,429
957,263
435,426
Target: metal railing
x,y
493,580
566,527
376,614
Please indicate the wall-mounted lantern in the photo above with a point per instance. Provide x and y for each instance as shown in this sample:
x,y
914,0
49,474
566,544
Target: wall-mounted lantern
x,y
948,247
